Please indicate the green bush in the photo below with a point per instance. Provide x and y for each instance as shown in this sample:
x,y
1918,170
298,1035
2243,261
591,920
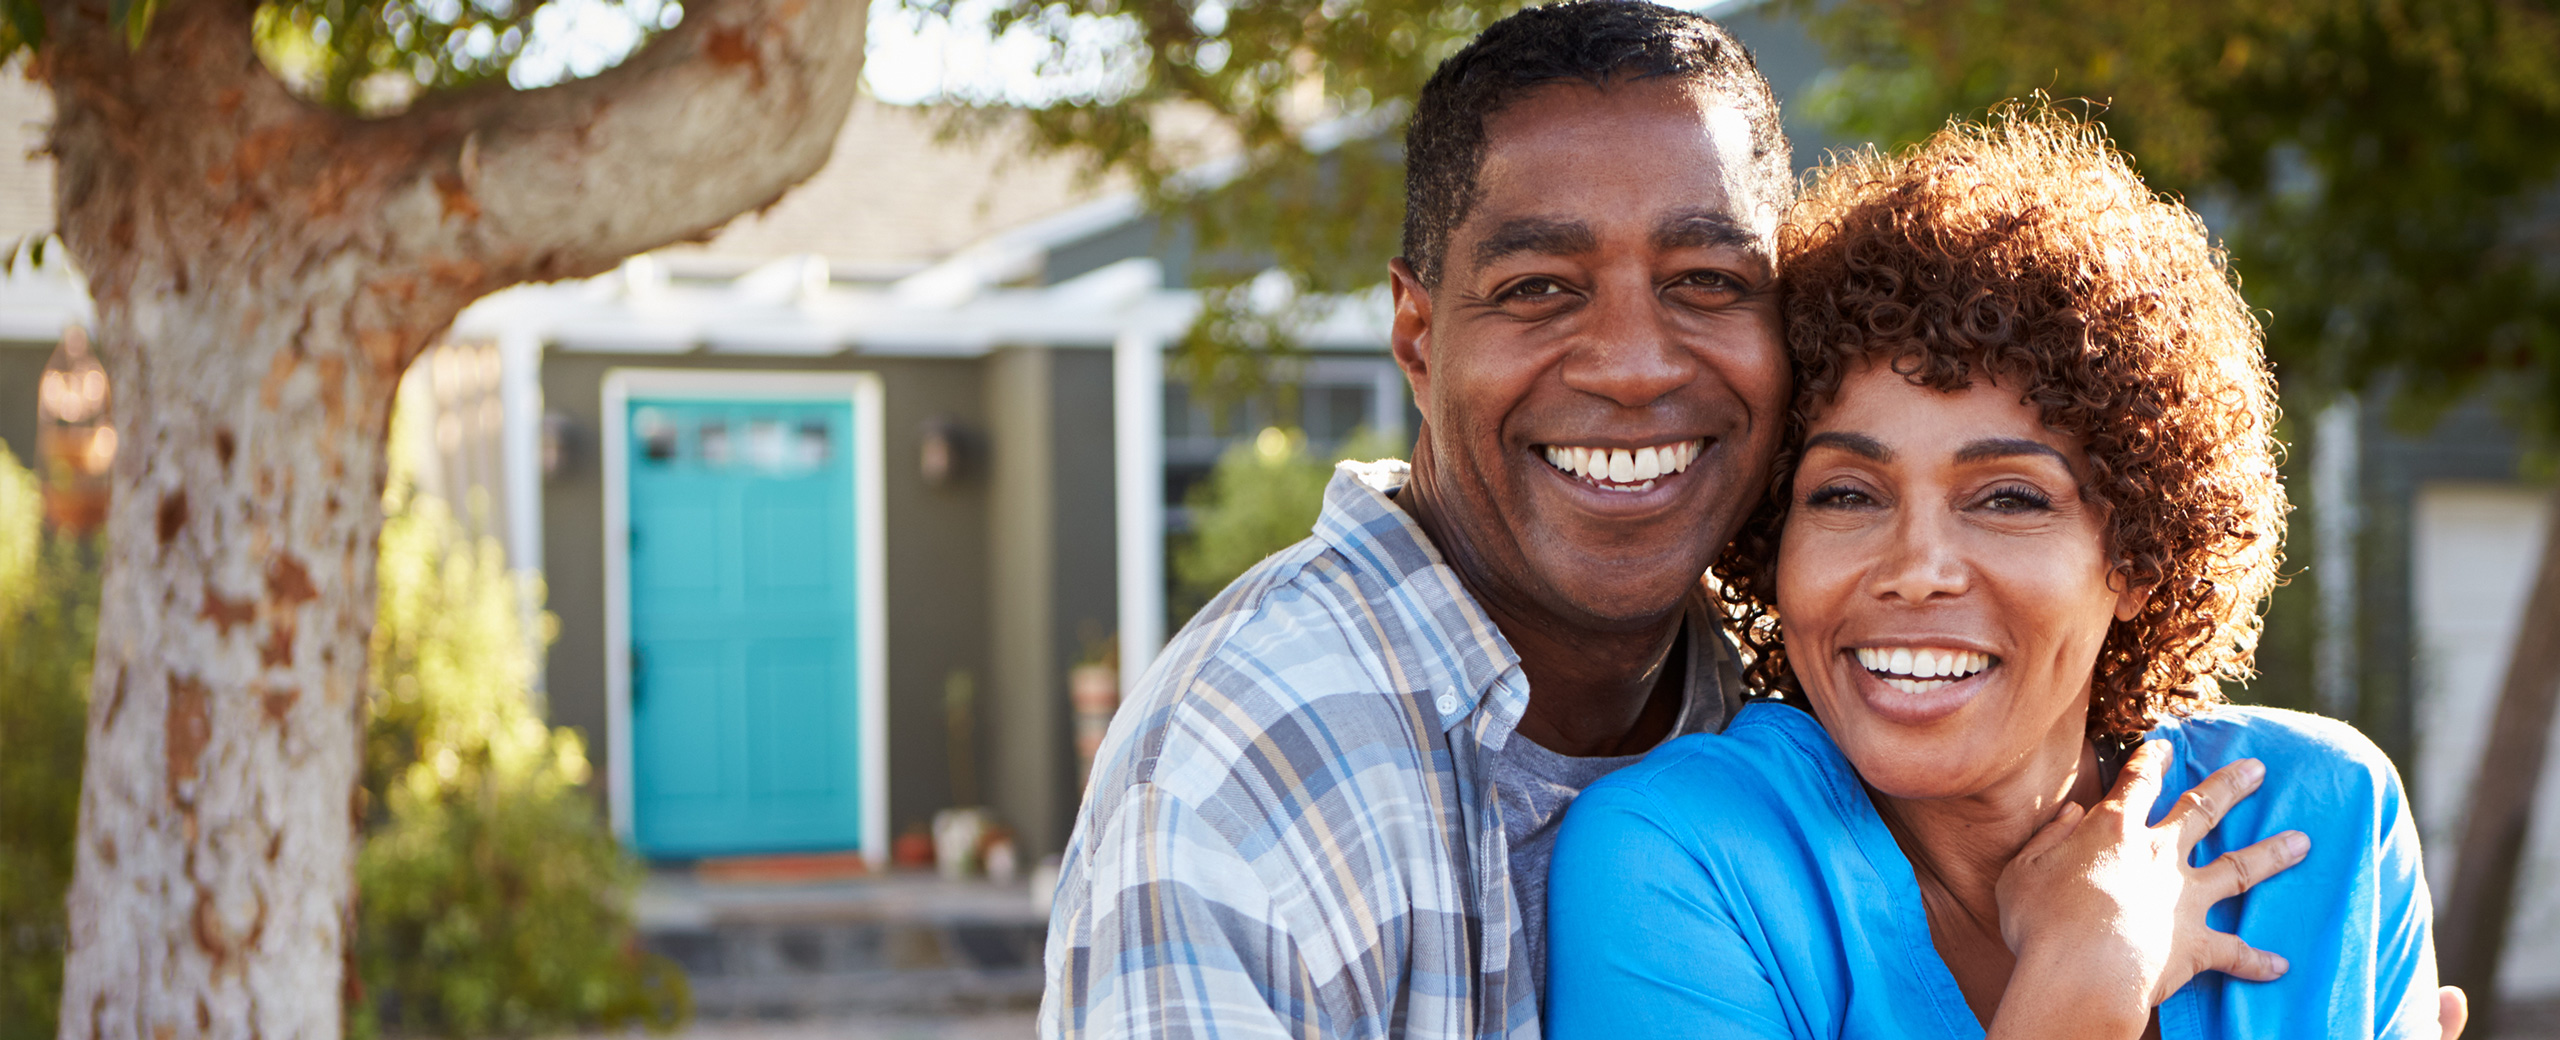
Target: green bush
x,y
494,900
1262,497
48,626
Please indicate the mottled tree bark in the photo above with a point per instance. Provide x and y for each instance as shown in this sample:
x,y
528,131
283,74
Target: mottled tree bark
x,y
264,270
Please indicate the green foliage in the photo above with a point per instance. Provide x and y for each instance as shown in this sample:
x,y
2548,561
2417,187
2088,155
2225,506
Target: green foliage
x,y
494,898
2386,173
48,623
1313,96
346,52
1261,498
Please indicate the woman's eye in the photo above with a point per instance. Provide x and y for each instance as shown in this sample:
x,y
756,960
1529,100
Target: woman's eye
x,y
1838,496
2017,499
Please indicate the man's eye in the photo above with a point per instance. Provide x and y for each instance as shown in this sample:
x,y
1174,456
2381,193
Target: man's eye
x,y
1716,280
1533,288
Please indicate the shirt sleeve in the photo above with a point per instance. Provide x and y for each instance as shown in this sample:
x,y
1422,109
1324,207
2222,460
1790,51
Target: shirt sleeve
x,y
1168,932
2404,957
1640,941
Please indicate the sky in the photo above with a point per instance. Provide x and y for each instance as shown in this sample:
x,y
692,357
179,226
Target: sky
x,y
911,58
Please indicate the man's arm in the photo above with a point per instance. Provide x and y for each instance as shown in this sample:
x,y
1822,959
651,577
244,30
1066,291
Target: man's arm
x,y
1163,930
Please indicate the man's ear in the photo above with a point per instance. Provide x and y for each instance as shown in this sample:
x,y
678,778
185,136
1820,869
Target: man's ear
x,y
1409,336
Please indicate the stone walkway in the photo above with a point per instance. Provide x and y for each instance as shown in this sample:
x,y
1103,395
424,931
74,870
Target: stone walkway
x,y
1012,1026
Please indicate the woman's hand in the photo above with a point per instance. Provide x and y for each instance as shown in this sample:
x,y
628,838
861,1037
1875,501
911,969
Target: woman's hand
x,y
2106,917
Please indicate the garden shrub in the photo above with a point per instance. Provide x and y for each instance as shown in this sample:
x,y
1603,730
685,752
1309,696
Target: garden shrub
x,y
494,899
1262,497
48,626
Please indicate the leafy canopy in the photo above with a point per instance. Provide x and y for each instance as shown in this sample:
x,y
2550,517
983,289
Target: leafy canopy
x,y
2386,173
368,55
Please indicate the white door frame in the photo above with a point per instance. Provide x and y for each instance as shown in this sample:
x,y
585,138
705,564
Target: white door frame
x,y
863,391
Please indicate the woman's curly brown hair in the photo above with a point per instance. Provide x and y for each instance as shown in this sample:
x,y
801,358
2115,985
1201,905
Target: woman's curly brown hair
x,y
2026,248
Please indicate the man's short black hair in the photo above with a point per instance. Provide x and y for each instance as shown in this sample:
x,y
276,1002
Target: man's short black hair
x,y
1590,41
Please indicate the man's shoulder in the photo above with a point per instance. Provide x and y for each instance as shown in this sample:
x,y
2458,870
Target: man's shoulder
x,y
1284,672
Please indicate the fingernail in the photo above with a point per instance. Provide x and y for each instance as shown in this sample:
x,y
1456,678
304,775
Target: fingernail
x,y
2282,965
2252,771
2297,844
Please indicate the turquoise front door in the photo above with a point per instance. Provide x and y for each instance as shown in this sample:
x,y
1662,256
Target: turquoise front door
x,y
745,682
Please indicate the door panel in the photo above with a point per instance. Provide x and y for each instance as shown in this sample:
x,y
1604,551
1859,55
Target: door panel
x,y
744,627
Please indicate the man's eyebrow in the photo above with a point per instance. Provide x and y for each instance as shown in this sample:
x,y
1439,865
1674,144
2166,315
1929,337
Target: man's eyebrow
x,y
2008,448
1700,229
1536,235
1858,444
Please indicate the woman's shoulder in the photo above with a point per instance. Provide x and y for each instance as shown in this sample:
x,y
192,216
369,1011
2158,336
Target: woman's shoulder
x,y
2316,756
1772,760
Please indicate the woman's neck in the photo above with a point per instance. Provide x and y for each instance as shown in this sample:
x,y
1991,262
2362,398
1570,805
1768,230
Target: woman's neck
x,y
1959,846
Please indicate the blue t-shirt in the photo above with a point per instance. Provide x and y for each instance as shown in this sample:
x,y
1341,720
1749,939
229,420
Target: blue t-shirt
x,y
1742,885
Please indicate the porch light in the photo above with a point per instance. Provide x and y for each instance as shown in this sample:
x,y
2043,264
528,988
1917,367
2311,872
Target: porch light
x,y
74,435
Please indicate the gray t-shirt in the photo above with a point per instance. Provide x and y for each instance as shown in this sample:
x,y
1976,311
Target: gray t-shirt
x,y
1532,785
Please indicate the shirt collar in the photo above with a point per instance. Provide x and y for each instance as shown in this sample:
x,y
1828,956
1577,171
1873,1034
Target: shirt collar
x,y
1362,522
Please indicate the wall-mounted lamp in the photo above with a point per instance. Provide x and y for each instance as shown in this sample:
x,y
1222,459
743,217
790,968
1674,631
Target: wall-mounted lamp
x,y
563,444
948,452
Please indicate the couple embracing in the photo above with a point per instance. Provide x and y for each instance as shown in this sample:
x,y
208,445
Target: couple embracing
x,y
1856,568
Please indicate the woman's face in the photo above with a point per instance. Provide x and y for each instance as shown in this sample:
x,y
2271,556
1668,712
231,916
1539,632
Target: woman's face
x,y
1944,587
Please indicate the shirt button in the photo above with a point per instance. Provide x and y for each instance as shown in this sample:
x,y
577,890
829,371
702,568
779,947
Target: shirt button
x,y
1448,704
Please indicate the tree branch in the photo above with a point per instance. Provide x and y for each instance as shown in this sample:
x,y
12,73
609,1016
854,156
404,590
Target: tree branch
x,y
719,116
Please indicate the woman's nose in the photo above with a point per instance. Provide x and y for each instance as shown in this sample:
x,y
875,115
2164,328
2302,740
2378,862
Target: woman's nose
x,y
1922,562
1629,351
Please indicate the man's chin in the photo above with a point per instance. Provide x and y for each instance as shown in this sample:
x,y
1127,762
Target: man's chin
x,y
1612,598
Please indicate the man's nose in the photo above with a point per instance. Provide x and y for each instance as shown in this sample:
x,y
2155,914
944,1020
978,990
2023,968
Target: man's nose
x,y
1629,352
1922,561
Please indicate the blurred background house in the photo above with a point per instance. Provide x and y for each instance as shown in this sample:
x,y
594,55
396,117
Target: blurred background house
x,y
829,507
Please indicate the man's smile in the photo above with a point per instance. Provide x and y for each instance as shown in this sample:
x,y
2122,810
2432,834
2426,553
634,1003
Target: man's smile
x,y
1622,469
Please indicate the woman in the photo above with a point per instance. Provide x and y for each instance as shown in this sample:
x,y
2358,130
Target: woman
x,y
2028,514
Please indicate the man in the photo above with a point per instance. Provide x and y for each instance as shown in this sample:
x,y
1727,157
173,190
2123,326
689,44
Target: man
x,y
1327,809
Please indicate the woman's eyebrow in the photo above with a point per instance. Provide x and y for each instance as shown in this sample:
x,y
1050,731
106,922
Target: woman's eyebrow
x,y
2009,448
1858,444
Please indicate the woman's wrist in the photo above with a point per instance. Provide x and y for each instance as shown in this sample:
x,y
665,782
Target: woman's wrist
x,y
2070,994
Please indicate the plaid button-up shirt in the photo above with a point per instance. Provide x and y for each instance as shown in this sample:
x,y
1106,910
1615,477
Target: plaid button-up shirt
x,y
1290,831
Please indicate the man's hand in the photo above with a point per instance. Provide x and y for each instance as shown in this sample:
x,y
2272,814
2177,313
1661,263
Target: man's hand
x,y
2103,911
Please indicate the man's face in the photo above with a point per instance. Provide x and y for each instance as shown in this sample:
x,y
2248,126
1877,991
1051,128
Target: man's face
x,y
1611,292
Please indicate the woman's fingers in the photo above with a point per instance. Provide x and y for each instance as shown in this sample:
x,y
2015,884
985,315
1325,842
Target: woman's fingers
x,y
2230,955
2202,808
2054,832
2138,784
2240,870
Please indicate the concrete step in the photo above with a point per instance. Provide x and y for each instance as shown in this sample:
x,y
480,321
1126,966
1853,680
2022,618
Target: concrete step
x,y
892,944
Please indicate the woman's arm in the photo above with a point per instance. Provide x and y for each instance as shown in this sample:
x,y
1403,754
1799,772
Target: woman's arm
x,y
2107,919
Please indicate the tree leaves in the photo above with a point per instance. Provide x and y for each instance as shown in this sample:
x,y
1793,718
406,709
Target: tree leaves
x,y
2386,173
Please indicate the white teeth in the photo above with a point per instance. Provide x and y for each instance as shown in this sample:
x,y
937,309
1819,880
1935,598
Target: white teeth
x,y
1929,666
1622,466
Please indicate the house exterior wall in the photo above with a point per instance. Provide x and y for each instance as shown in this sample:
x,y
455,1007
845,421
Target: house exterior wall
x,y
936,558
21,365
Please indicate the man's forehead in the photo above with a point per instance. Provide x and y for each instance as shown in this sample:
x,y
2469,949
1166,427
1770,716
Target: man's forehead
x,y
1558,162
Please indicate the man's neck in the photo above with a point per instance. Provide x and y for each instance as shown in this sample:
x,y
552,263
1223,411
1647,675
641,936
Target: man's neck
x,y
1593,690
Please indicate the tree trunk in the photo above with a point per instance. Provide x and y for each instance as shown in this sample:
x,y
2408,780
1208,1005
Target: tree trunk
x,y
2472,938
264,270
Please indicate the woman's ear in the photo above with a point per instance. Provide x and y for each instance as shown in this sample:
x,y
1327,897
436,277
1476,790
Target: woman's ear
x,y
2129,596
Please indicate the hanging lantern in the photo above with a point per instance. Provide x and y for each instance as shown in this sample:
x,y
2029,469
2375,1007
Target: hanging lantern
x,y
73,435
